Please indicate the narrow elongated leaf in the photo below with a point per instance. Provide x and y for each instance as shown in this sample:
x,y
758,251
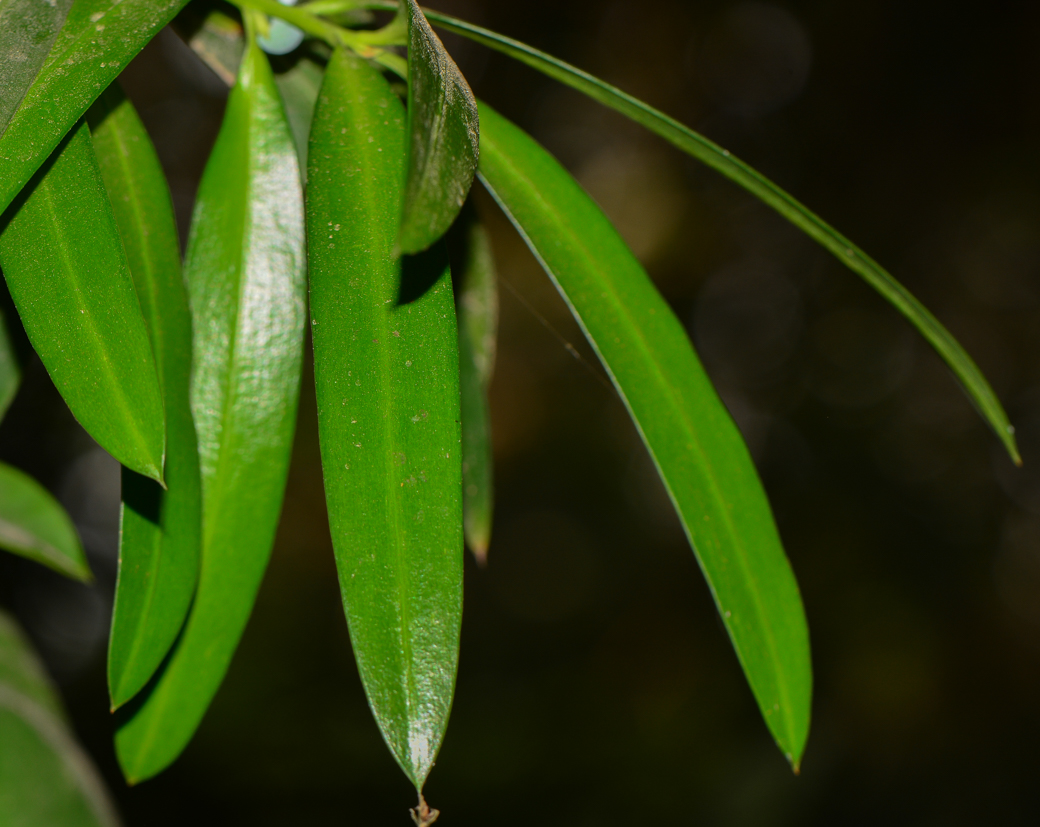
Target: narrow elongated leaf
x,y
697,449
386,369
64,262
971,378
27,32
478,334
442,137
45,776
245,272
160,531
96,43
34,525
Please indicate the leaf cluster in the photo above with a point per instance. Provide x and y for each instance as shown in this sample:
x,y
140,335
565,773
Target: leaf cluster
x,y
335,201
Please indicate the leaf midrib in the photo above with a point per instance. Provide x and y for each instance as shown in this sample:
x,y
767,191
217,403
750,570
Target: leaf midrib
x,y
394,505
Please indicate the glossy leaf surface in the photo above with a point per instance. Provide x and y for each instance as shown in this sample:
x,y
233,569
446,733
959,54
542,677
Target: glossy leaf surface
x,y
723,161
160,531
34,525
27,31
386,370
64,262
45,776
697,449
478,335
245,273
442,137
96,43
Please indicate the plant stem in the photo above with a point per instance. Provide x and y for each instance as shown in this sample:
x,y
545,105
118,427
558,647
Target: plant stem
x,y
365,44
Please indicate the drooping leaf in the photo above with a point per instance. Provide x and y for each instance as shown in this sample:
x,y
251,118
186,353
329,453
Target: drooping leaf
x,y
34,525
245,273
67,272
45,776
442,137
697,449
478,335
710,153
161,531
27,31
386,370
96,43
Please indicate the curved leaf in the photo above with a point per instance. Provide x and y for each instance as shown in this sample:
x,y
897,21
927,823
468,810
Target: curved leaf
x,y
442,137
245,273
96,43
45,776
160,531
386,371
697,449
34,525
65,266
720,159
478,334
27,32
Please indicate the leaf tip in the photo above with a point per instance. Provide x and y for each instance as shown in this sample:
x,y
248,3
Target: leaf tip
x,y
1008,438
117,695
82,573
410,238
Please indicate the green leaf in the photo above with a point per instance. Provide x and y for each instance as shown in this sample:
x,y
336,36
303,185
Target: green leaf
x,y
96,43
68,275
27,32
161,531
245,273
974,383
442,137
45,776
34,525
697,449
386,370
478,334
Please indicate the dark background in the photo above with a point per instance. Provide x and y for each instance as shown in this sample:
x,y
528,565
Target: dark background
x,y
596,685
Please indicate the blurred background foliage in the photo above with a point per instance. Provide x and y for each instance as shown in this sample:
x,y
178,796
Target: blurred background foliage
x,y
597,686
